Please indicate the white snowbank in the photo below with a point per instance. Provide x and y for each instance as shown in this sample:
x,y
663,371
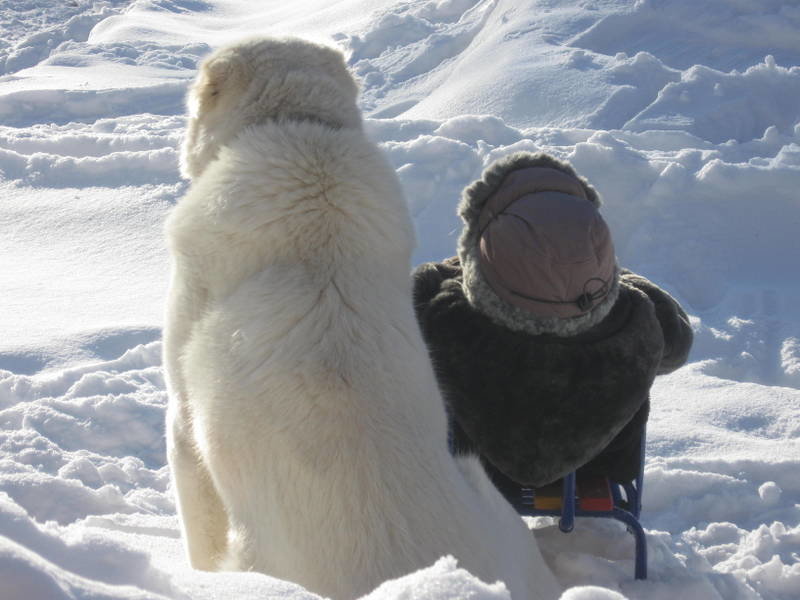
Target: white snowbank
x,y
45,561
441,581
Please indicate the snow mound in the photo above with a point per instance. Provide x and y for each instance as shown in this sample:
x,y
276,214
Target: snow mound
x,y
718,106
47,561
136,150
719,34
87,440
590,592
32,29
441,581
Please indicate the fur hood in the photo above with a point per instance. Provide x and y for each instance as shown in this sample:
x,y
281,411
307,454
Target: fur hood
x,y
525,178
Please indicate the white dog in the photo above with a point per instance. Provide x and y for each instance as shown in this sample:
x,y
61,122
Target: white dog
x,y
306,432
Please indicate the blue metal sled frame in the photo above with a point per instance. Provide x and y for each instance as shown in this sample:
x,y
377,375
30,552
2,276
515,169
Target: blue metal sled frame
x,y
626,510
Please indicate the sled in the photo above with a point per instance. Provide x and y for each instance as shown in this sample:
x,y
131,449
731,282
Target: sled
x,y
590,497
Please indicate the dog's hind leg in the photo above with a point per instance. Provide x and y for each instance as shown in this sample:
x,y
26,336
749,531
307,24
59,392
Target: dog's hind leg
x,y
203,517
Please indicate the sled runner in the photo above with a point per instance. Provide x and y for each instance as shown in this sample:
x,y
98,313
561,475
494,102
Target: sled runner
x,y
590,497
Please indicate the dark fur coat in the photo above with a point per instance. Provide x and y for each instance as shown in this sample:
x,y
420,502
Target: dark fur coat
x,y
536,407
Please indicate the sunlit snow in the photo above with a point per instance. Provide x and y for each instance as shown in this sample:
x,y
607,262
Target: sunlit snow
x,y
683,113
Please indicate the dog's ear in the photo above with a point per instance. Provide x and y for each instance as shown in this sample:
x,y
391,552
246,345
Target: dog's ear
x,y
219,74
221,77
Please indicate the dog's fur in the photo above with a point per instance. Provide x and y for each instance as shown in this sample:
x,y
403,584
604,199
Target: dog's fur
x,y
306,433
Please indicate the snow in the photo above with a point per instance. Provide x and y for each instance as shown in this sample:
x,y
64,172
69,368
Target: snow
x,y
682,113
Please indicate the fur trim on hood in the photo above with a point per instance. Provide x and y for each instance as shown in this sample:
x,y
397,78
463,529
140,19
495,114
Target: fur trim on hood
x,y
481,282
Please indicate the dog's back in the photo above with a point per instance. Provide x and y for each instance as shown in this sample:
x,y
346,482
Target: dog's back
x,y
299,373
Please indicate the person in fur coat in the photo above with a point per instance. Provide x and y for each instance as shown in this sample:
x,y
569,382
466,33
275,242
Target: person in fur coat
x,y
544,348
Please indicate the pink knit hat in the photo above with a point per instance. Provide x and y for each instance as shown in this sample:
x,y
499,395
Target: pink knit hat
x,y
544,246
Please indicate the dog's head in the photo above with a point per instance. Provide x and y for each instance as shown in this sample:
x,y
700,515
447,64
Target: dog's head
x,y
261,79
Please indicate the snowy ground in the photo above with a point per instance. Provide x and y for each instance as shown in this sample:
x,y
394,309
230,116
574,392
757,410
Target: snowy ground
x,y
685,116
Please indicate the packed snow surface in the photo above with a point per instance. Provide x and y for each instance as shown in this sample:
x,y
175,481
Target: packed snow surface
x,y
684,115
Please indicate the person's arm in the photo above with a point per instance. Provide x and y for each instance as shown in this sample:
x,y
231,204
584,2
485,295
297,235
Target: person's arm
x,y
428,278
677,331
